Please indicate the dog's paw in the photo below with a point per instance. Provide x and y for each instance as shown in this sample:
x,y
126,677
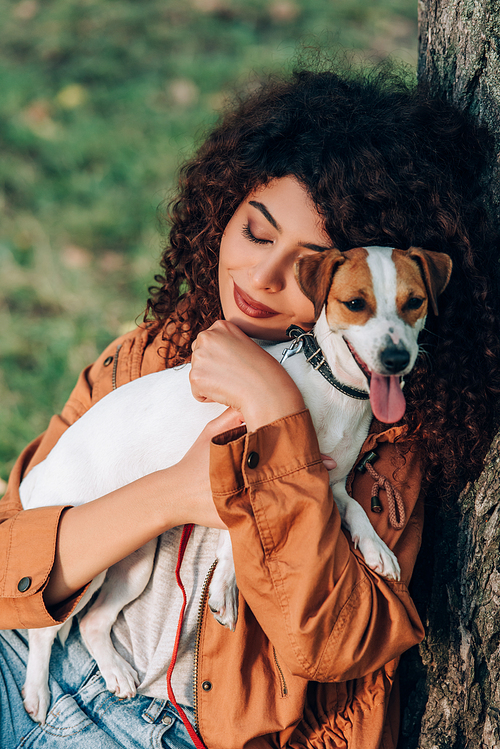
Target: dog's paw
x,y
378,556
36,701
223,597
121,679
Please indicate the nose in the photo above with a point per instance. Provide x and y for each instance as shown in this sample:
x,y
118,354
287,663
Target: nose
x,y
394,359
269,274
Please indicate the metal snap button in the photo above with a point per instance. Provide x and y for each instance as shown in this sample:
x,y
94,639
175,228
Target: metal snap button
x,y
207,686
253,460
167,720
24,584
108,361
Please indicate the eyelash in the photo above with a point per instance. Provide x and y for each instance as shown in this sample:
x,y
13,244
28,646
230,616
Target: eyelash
x,y
248,235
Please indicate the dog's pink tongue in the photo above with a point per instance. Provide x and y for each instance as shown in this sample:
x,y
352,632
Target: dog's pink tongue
x,y
386,398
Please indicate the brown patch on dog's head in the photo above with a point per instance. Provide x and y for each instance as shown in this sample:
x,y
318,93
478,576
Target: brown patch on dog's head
x,y
343,281
314,275
411,292
435,269
338,279
351,300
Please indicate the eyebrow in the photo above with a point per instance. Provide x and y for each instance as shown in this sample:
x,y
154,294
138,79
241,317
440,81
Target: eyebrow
x,y
262,208
316,247
308,245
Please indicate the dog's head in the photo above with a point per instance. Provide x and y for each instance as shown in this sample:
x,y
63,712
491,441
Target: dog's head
x,y
377,299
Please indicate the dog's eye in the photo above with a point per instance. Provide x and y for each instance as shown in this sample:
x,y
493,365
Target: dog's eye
x,y
355,305
414,303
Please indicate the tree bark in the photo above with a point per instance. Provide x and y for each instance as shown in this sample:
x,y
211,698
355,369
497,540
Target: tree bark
x,y
451,685
459,57
455,701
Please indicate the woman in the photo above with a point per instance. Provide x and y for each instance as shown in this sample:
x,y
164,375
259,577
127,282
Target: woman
x,y
302,164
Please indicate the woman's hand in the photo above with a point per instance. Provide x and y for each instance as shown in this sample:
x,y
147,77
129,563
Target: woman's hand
x,y
192,472
229,368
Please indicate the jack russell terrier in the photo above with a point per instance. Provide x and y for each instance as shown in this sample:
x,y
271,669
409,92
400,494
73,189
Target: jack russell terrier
x,y
371,304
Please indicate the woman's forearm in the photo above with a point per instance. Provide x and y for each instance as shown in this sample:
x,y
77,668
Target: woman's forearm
x,y
93,536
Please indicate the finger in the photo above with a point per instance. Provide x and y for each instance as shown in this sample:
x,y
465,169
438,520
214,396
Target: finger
x,y
230,419
328,462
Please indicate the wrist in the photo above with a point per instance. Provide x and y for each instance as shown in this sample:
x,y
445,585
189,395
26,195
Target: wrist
x,y
261,412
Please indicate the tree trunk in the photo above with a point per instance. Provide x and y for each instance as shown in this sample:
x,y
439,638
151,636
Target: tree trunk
x,y
451,685
459,56
455,699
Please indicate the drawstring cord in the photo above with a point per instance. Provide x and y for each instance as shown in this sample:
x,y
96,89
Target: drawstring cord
x,y
394,499
395,502
186,533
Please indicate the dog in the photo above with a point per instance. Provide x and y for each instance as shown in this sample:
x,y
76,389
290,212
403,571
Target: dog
x,y
371,304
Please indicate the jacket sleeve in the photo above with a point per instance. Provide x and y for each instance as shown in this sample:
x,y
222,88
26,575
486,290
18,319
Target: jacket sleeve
x,y
28,537
327,614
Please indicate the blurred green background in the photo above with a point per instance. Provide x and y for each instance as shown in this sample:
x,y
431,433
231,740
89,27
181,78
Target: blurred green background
x,y
100,101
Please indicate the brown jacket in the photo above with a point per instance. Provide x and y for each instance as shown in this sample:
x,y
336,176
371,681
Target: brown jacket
x,y
312,662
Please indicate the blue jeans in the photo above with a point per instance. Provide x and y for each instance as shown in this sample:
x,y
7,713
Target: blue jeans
x,y
83,714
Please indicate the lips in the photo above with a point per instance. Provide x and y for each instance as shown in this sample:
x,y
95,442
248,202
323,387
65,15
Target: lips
x,y
250,306
359,361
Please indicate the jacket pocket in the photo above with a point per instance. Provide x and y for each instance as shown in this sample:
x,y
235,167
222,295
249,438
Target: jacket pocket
x,y
281,676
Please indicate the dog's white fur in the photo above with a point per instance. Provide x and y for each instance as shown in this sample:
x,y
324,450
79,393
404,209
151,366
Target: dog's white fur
x,y
129,434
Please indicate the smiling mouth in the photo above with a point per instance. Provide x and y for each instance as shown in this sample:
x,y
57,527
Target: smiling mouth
x,y
359,361
251,307
386,396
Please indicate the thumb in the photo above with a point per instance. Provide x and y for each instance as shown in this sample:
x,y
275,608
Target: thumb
x,y
230,419
328,462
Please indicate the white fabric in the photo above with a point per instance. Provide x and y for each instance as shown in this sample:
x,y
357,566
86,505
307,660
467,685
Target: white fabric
x,y
144,633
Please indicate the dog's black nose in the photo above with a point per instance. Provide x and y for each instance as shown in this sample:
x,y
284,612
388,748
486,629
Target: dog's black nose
x,y
394,359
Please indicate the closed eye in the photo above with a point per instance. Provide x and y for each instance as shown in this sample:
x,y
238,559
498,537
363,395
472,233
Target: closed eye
x,y
355,305
256,240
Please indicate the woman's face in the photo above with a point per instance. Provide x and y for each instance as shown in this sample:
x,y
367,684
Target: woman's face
x,y
273,227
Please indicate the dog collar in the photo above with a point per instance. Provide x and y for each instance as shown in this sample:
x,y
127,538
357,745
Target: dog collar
x,y
314,355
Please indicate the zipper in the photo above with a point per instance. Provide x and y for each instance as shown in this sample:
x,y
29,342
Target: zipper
x,y
115,366
201,608
284,688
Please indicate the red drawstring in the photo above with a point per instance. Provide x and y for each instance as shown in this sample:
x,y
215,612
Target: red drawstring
x,y
186,533
395,501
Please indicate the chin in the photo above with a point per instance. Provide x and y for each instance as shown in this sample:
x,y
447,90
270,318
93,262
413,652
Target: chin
x,y
258,329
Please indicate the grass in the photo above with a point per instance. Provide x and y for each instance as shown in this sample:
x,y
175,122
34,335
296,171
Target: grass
x,y
100,101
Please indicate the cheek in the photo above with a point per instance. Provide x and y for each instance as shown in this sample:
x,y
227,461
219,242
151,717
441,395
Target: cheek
x,y
230,251
234,253
225,284
302,306
225,251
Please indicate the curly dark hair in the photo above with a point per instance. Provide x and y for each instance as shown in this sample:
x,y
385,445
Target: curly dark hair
x,y
385,163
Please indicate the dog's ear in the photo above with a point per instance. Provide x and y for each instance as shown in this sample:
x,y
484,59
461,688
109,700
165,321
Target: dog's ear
x,y
436,271
314,275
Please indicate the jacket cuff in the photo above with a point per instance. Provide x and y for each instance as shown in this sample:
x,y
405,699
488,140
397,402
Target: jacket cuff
x,y
24,576
238,459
